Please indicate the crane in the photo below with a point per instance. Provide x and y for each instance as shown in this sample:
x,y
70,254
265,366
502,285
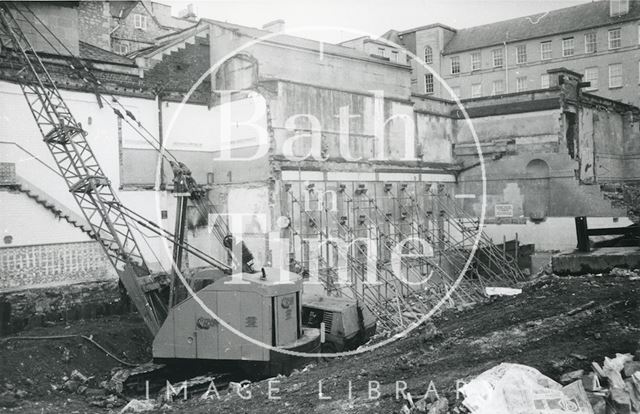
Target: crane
x,y
181,331
92,190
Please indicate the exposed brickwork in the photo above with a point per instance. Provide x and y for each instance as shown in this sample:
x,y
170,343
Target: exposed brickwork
x,y
32,307
94,23
49,263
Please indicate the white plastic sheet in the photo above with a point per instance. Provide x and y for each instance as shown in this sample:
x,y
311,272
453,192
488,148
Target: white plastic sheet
x,y
519,389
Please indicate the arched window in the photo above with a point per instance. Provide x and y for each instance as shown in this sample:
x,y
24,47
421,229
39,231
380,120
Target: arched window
x,y
537,190
428,55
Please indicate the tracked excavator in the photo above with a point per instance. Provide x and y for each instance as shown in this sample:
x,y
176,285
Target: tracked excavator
x,y
240,325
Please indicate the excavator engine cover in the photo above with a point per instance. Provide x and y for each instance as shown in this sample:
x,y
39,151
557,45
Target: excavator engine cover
x,y
264,306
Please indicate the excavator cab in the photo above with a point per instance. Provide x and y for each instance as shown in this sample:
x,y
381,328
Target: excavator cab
x,y
260,307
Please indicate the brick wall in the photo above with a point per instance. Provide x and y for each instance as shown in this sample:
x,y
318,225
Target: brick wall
x,y
94,23
51,263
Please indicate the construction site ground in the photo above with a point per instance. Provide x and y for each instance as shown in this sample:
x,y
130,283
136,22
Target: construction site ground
x,y
557,324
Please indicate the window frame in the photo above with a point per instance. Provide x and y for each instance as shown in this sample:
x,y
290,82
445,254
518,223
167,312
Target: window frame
x,y
120,47
520,48
618,40
455,64
587,43
542,50
494,92
473,86
621,11
566,49
621,76
140,21
427,90
524,88
547,78
479,61
500,51
592,69
428,57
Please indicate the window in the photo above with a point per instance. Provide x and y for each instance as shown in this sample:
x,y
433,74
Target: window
x,y
498,87
591,75
121,48
394,56
590,43
618,7
475,61
381,51
428,55
498,57
567,47
615,75
544,81
455,64
521,54
521,84
428,83
140,21
476,90
614,39
545,50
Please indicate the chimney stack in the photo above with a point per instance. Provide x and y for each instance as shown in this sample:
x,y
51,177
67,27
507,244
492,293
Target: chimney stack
x,y
188,13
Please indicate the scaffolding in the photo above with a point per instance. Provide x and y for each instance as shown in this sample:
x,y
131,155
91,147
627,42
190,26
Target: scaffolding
x,y
399,248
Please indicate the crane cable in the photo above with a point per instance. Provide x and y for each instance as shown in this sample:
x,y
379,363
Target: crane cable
x,y
164,153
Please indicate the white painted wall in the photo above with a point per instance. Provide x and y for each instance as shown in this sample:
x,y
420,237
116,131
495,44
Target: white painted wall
x,y
34,163
29,223
555,233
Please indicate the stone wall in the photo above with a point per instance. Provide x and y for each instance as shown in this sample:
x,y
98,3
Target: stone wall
x,y
94,23
36,306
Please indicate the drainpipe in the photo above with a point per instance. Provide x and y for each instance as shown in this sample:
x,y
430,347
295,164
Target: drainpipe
x,y
506,68
160,142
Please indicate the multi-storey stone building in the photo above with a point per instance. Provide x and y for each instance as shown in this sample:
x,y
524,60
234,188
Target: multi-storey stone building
x,y
126,26
600,40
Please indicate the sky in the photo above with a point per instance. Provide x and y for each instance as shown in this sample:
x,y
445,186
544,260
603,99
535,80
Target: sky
x,y
353,18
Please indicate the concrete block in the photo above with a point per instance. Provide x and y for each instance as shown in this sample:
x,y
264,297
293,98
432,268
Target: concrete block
x,y
596,261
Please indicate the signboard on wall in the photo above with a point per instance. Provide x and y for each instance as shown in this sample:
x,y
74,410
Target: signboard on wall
x,y
503,210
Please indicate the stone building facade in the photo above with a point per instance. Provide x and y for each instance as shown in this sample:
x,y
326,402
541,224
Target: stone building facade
x,y
600,40
126,26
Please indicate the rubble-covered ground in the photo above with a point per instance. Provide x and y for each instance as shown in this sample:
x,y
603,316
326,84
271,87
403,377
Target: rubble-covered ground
x,y
557,325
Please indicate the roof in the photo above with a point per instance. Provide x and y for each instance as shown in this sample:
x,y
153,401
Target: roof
x,y
570,19
425,27
170,40
299,42
90,52
121,9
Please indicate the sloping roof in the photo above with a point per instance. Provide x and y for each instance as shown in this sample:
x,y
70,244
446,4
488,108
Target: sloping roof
x,y
173,39
90,52
570,19
299,42
392,36
175,22
121,9
428,26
